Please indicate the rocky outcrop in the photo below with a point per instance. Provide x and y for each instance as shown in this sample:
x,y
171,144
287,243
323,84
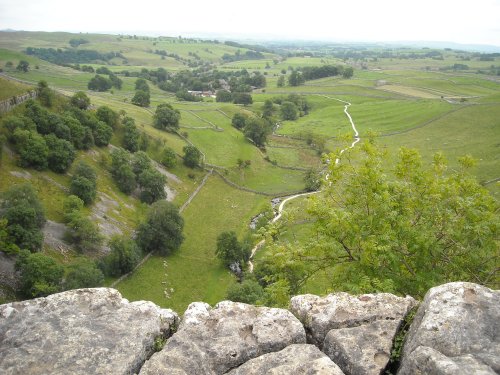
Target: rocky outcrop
x,y
213,341
297,359
456,331
356,332
85,331
96,331
10,104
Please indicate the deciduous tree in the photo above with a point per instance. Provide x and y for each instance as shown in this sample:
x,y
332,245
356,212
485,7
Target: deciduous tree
x,y
166,117
399,229
162,230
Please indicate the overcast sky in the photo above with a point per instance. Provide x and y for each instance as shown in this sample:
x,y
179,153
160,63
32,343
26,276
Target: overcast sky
x,y
459,21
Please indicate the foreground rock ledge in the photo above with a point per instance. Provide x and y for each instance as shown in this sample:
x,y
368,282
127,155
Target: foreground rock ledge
x,y
297,359
213,341
95,331
84,331
356,332
456,331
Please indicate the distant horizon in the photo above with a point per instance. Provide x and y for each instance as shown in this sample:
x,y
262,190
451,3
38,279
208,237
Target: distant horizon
x,y
441,44
362,21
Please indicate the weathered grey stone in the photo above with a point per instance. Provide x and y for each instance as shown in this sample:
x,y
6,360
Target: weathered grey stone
x,y
213,341
297,359
356,332
342,310
425,360
456,330
362,350
84,331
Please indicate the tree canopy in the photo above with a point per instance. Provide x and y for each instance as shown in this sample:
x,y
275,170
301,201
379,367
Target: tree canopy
x,y
99,83
40,274
162,230
166,117
402,229
25,216
229,250
124,256
84,183
192,156
141,98
80,100
257,130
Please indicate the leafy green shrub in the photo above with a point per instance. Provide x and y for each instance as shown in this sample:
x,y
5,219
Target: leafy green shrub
x,y
40,274
25,217
162,230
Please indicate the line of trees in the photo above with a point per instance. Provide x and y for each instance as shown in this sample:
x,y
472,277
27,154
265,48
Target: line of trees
x,y
43,138
71,56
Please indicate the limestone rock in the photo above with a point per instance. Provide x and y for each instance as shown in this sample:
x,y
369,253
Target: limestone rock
x,y
297,359
356,332
213,341
362,350
456,330
83,331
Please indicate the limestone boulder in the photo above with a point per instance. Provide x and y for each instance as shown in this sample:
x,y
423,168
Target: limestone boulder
x,y
84,331
216,340
297,359
356,332
456,331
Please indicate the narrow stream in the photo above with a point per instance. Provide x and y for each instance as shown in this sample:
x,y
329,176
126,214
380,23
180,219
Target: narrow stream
x,y
282,204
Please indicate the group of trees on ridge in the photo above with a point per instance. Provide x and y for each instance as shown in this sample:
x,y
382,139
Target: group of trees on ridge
x,y
47,132
46,139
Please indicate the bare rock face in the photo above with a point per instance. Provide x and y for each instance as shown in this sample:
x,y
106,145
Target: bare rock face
x,y
456,331
83,331
356,332
214,341
362,350
297,359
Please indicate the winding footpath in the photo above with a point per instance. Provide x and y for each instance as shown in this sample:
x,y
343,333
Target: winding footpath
x,y
281,207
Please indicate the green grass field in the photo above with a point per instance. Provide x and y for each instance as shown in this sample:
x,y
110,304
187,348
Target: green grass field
x,y
8,89
193,272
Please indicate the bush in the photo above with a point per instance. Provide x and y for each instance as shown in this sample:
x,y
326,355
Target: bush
x,y
249,291
40,274
25,216
107,115
192,156
84,183
61,153
83,233
168,157
102,134
166,117
80,100
162,230
83,274
99,83
239,120
124,256
32,149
